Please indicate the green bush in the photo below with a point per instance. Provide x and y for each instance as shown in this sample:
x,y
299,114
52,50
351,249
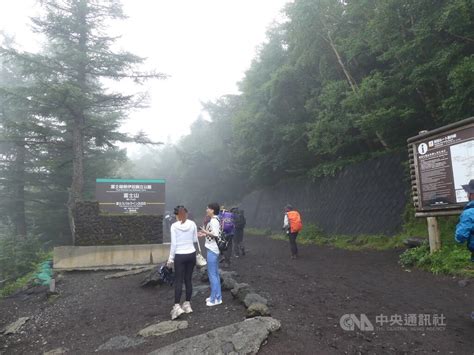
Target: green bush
x,y
19,259
451,259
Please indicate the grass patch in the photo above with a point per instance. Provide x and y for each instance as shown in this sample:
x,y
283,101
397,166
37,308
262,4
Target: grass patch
x,y
312,234
26,280
20,283
451,259
258,231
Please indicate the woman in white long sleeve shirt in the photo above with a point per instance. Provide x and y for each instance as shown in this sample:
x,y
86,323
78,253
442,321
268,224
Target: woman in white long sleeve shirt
x,y
183,256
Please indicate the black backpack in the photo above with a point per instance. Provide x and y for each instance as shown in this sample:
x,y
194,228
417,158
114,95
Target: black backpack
x,y
239,220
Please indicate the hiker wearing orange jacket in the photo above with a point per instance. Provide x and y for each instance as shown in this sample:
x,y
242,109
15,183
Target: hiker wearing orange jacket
x,y
292,224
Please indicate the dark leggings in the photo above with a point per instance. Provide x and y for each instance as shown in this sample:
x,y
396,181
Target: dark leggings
x,y
294,248
183,268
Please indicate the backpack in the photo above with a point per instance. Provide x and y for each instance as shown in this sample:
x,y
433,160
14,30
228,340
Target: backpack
x,y
294,219
239,220
222,240
227,222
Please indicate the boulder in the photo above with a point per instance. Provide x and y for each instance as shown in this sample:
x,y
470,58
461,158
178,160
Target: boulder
x,y
120,342
162,328
257,309
241,290
239,338
15,327
228,283
414,242
254,298
57,351
152,279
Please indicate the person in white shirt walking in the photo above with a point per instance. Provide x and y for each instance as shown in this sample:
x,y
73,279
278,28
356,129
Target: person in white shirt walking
x,y
183,256
211,232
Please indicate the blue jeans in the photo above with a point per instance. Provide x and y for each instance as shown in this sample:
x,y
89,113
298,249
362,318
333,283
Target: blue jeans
x,y
213,273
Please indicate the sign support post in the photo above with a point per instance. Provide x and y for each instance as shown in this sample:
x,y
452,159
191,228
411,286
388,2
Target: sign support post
x,y
433,234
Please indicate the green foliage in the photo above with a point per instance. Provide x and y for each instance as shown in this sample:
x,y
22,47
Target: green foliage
x,y
312,234
451,260
19,261
18,284
337,83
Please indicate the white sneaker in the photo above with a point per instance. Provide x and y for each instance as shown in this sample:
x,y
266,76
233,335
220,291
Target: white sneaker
x,y
215,303
176,311
187,307
208,299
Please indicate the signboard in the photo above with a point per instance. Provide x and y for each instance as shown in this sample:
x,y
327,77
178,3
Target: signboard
x,y
442,161
131,197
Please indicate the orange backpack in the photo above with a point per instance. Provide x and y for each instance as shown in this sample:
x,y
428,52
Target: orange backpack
x,y
294,219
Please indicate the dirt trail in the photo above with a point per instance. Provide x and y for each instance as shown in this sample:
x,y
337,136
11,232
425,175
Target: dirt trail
x,y
309,295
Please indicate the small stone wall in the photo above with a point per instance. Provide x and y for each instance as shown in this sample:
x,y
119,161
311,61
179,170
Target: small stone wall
x,y
93,228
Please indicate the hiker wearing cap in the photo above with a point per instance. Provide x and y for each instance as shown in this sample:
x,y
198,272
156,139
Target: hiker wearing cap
x,y
465,227
292,224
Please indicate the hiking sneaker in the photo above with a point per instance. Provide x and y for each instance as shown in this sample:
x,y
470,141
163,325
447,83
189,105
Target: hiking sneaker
x,y
215,303
176,311
187,307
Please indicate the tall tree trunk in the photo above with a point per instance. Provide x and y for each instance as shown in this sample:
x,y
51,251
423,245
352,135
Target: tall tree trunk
x,y
19,215
351,81
348,75
78,125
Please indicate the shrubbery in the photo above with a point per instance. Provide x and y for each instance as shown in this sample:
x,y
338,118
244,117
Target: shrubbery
x,y
19,258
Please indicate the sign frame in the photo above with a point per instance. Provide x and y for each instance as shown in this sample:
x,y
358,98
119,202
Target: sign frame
x,y
126,197
415,174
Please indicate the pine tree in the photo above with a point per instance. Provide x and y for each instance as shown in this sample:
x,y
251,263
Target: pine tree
x,y
69,79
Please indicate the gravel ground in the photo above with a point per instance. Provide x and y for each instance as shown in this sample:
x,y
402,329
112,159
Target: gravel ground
x,y
308,295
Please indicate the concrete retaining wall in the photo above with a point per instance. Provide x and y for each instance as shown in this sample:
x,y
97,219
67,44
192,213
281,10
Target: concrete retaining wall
x,y
109,257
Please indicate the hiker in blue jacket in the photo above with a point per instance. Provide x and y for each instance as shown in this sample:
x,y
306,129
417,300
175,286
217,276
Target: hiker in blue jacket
x,y
465,227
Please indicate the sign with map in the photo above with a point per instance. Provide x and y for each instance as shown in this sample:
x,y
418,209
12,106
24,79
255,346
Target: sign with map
x,y
131,197
443,161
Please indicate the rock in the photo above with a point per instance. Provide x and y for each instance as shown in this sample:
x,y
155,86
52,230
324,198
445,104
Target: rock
x,y
241,290
152,279
239,338
14,327
57,351
463,283
200,289
162,328
121,342
228,283
203,275
254,298
257,309
129,272
226,274
414,242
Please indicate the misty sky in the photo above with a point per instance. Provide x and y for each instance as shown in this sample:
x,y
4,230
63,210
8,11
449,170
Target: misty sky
x,y
205,46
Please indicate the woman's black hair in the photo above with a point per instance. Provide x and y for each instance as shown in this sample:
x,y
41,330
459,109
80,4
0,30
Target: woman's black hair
x,y
215,207
179,207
